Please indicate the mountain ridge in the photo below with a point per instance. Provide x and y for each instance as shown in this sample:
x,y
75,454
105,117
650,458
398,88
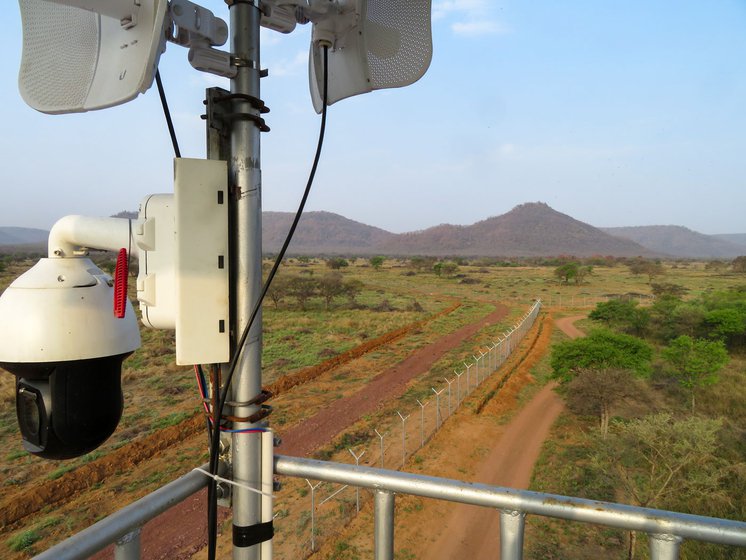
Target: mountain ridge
x,y
528,230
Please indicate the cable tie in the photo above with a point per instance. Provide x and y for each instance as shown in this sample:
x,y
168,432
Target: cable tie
x,y
234,483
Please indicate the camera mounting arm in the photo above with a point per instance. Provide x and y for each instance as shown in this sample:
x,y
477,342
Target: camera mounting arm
x,y
73,236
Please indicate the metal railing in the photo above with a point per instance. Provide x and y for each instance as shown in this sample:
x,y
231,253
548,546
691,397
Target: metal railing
x,y
667,530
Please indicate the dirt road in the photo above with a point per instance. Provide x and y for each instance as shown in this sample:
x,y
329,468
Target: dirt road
x,y
473,532
391,384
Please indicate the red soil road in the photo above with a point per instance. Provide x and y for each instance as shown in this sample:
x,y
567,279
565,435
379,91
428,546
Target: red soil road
x,y
391,384
510,463
181,531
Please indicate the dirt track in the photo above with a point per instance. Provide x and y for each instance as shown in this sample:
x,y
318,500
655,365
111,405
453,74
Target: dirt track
x,y
472,532
391,384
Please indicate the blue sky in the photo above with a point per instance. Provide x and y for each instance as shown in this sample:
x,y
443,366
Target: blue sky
x,y
616,113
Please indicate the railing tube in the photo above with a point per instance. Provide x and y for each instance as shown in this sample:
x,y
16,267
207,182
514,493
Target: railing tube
x,y
511,534
384,525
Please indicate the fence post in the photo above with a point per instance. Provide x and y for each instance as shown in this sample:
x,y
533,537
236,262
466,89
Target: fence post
x,y
468,366
357,488
313,514
449,395
381,438
403,438
437,407
458,388
384,525
422,422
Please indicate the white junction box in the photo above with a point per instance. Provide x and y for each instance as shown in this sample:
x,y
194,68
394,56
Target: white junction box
x,y
202,311
184,276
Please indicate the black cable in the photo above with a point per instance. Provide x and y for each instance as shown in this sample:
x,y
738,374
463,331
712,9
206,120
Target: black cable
x,y
167,113
212,526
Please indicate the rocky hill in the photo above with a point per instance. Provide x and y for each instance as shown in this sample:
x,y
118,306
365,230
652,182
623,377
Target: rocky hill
x,y
532,229
679,241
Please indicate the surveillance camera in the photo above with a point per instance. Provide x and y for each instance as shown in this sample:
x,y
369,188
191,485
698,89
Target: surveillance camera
x,y
60,338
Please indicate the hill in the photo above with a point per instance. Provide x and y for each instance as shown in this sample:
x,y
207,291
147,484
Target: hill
x,y
679,241
321,233
737,238
531,229
22,236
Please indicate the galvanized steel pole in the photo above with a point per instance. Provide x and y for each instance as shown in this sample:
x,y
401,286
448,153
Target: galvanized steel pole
x,y
245,203
384,525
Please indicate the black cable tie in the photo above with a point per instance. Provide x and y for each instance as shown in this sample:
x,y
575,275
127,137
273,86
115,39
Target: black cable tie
x,y
244,537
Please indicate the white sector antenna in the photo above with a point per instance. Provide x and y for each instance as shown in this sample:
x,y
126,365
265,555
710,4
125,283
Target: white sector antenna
x,y
375,44
81,55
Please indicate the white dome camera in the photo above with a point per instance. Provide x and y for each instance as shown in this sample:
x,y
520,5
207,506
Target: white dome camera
x,y
60,338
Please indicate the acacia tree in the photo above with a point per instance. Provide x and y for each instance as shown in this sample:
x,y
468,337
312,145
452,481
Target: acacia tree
x,y
601,349
302,288
566,272
597,391
661,462
330,286
377,262
695,362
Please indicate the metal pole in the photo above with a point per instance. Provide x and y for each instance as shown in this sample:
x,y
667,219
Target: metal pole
x,y
244,182
467,376
128,547
511,534
449,395
357,488
437,407
384,525
422,422
403,438
458,388
381,438
476,361
664,547
313,514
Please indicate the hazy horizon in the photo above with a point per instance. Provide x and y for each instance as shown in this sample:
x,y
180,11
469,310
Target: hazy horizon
x,y
599,110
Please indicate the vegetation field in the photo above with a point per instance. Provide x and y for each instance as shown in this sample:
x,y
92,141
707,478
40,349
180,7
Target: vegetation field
x,y
320,310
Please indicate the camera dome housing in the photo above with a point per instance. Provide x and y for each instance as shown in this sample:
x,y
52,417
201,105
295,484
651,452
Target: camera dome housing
x,y
60,338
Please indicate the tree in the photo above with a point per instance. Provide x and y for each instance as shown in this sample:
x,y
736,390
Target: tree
x,y
352,289
739,264
622,315
652,269
336,263
596,391
302,288
668,289
695,362
601,349
449,268
330,286
661,462
566,272
583,273
377,262
278,289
